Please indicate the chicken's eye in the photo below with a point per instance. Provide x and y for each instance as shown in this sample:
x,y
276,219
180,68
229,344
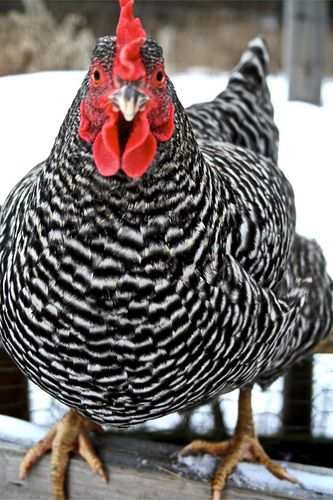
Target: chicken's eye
x,y
96,76
160,76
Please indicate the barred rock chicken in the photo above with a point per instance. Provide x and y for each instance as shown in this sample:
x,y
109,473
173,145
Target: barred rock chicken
x,y
151,262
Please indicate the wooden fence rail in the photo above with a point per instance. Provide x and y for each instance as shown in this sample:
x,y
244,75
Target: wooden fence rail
x,y
138,469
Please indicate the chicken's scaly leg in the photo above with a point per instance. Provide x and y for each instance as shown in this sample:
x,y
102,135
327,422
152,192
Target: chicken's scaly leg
x,y
244,445
70,434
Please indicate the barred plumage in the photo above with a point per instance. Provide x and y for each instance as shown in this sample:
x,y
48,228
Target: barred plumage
x,y
242,114
131,298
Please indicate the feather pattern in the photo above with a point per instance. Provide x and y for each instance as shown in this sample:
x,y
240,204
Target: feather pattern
x,y
131,298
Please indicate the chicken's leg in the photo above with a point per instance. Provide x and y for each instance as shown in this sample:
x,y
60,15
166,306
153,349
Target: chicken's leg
x,y
244,445
70,434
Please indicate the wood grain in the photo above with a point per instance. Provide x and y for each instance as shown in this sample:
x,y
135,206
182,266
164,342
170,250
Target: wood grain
x,y
138,470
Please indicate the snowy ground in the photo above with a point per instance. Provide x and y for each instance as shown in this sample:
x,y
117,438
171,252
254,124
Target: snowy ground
x,y
257,478
33,107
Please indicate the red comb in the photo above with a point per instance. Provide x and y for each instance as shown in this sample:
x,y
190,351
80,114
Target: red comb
x,y
130,38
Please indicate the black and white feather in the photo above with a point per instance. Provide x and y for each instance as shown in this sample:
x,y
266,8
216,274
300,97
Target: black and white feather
x,y
128,299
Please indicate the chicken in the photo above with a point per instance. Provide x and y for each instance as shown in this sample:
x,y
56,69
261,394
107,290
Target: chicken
x,y
151,262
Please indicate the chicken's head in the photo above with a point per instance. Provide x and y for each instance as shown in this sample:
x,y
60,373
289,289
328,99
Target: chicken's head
x,y
127,109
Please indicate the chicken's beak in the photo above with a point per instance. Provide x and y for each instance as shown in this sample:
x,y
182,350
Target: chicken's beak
x,y
129,99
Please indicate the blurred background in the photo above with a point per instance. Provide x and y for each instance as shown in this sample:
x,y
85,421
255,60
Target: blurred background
x,y
295,416
49,34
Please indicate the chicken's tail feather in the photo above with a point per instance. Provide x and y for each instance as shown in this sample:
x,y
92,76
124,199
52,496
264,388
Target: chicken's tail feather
x,y
243,113
249,84
253,65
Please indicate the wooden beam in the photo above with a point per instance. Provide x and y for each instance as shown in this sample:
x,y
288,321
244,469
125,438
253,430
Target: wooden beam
x,y
305,30
138,469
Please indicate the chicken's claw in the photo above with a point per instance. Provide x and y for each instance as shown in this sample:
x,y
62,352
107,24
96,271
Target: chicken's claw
x,y
243,446
70,434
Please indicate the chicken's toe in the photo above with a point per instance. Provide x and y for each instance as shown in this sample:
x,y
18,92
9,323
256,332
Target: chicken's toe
x,y
70,434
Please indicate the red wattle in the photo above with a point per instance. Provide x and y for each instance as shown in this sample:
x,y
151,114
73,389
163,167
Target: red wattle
x,y
137,161
107,159
140,148
106,147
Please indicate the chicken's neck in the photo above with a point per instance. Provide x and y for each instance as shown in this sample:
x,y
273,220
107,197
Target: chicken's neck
x,y
175,182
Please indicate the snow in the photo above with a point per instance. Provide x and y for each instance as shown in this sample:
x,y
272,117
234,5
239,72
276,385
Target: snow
x,y
19,431
32,109
201,465
39,405
257,477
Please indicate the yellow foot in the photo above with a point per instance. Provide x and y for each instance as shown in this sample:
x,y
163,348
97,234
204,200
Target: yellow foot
x,y
70,434
235,450
244,445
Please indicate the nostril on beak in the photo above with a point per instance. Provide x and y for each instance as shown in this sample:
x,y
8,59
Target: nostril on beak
x,y
129,100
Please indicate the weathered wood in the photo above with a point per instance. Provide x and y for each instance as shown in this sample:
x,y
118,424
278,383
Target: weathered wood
x,y
137,469
305,27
